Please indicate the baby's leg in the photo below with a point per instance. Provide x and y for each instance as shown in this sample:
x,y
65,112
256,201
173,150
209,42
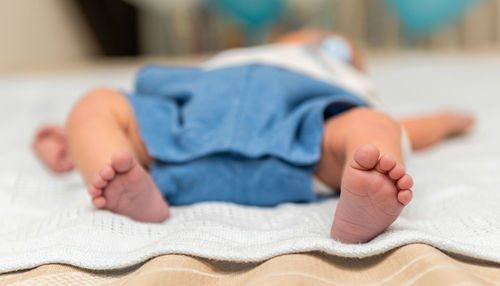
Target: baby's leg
x,y
374,188
106,148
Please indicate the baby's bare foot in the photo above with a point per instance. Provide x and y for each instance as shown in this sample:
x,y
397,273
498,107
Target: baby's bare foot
x,y
124,187
373,193
51,145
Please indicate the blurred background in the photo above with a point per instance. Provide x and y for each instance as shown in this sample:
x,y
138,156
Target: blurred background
x,y
58,32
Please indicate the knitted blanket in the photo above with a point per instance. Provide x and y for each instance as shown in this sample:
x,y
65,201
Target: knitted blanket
x,y
46,218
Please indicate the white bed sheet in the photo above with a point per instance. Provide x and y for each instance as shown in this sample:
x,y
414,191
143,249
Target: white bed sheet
x,y
46,218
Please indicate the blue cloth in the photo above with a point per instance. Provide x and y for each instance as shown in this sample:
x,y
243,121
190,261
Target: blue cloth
x,y
248,134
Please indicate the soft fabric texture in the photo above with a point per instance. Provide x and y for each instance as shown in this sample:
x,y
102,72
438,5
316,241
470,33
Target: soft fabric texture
x,y
248,134
46,218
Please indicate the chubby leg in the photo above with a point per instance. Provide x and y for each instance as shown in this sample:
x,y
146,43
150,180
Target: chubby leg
x,y
374,188
106,148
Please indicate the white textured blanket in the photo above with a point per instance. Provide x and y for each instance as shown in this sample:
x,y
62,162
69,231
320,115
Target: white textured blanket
x,y
47,218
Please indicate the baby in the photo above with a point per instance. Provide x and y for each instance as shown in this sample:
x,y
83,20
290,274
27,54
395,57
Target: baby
x,y
257,126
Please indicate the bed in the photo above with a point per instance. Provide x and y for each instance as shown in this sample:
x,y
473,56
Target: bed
x,y
447,236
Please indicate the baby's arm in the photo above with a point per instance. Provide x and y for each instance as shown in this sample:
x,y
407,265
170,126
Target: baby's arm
x,y
429,130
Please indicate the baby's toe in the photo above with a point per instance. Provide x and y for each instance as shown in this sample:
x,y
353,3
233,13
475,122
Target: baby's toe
x,y
122,162
405,196
405,182
386,163
99,202
366,157
397,172
99,182
107,173
93,191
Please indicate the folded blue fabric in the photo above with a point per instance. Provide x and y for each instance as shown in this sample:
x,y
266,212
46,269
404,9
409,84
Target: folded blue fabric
x,y
247,134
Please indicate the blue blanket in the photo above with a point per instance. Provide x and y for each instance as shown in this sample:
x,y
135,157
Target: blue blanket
x,y
247,134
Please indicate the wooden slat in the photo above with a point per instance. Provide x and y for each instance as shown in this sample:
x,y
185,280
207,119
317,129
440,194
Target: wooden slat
x,y
447,38
478,26
351,19
496,23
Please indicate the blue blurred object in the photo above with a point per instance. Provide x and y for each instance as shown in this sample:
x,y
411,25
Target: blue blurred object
x,y
252,14
423,16
338,48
